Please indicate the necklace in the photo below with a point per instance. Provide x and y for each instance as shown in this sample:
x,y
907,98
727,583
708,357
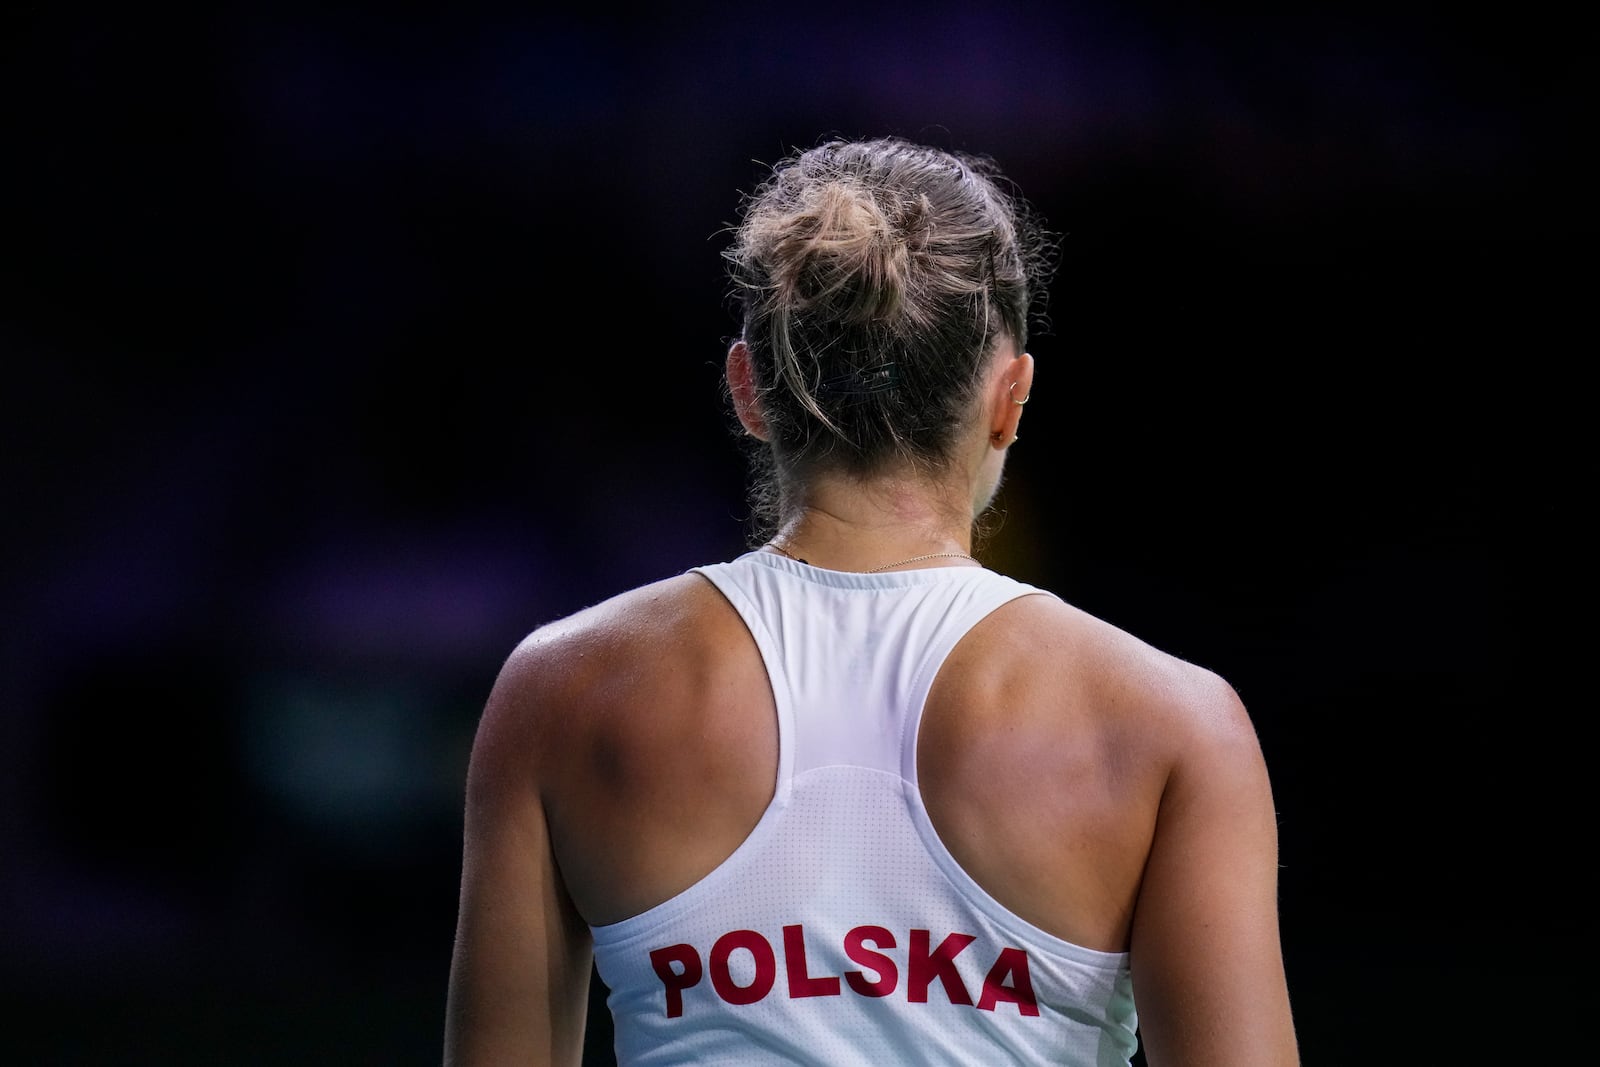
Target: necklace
x,y
887,566
919,559
786,552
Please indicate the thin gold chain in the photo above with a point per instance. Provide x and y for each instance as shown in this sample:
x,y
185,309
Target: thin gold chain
x,y
919,559
888,566
786,552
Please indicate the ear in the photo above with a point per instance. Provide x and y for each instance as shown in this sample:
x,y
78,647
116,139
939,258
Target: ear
x,y
1010,389
742,384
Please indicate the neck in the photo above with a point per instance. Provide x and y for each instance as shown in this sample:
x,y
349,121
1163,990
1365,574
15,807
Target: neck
x,y
849,525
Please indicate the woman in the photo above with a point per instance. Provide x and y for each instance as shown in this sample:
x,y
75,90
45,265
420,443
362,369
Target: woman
x,y
852,798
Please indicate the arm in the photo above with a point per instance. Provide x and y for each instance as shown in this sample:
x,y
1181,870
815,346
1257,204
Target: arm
x,y
1207,963
519,977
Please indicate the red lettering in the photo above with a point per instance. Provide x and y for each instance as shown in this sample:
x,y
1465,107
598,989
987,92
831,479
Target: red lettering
x,y
766,967
923,967
1008,980
676,981
801,984
1012,963
881,965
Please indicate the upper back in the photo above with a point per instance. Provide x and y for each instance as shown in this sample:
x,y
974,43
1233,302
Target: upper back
x,y
1019,728
1044,744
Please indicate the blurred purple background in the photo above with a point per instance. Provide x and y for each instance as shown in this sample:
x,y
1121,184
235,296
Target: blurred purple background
x,y
344,345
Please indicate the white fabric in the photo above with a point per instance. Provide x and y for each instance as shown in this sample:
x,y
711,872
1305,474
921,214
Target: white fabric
x,y
818,941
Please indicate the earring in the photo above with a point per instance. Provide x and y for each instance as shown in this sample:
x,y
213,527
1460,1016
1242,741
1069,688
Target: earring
x,y
1014,400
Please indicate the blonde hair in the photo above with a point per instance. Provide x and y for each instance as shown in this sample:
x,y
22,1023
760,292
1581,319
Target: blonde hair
x,y
874,277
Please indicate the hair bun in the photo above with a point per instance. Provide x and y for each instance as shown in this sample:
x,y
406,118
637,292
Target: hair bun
x,y
875,279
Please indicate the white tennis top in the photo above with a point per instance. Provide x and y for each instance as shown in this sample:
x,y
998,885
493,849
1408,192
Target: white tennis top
x,y
841,931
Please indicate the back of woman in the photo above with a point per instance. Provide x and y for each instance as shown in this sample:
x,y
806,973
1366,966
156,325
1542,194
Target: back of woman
x,y
852,797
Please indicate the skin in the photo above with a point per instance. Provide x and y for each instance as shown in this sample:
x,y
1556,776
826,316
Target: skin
x,y
1151,825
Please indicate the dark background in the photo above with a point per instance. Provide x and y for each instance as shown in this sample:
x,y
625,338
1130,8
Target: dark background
x,y
344,346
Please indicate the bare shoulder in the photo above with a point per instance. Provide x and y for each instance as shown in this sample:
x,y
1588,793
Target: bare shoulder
x,y
644,726
565,673
1129,680
612,624
1203,936
1145,781
1046,708
631,630
521,937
